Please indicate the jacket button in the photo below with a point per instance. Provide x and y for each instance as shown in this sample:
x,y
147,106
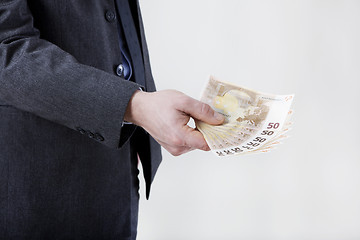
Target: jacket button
x,y
82,131
91,135
120,70
99,137
110,16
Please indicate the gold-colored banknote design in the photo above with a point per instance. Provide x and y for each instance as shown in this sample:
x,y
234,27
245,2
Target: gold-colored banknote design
x,y
254,121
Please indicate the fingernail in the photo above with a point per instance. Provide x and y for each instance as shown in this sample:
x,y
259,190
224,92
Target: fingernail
x,y
219,116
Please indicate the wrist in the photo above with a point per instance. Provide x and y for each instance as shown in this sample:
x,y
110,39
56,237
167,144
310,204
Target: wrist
x,y
133,110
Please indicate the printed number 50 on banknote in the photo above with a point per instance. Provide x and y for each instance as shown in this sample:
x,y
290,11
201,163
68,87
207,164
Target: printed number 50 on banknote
x,y
254,120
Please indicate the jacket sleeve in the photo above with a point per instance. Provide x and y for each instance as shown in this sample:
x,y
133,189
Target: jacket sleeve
x,y
38,77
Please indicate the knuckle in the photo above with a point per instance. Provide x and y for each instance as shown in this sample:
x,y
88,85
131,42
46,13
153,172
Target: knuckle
x,y
176,152
185,100
177,141
205,109
180,150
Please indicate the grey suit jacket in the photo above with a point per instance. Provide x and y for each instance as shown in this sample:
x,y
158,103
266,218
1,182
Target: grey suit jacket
x,y
61,113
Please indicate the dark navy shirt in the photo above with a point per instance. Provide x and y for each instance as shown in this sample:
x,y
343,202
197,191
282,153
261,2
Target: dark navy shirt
x,y
126,60
124,69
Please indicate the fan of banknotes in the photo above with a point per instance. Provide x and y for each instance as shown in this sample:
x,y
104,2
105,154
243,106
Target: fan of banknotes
x,y
255,122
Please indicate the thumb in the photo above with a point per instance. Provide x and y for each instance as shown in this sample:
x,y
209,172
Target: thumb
x,y
203,112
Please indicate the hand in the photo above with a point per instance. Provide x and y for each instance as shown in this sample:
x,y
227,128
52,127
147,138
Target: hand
x,y
165,114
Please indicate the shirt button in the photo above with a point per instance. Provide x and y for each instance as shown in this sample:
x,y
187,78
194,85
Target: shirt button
x,y
120,70
110,16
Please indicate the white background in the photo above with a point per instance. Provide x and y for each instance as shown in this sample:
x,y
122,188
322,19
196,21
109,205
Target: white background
x,y
308,188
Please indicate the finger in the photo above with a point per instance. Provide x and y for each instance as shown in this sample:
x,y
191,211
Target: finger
x,y
194,139
202,111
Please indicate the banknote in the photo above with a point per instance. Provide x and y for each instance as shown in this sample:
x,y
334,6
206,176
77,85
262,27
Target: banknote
x,y
254,121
